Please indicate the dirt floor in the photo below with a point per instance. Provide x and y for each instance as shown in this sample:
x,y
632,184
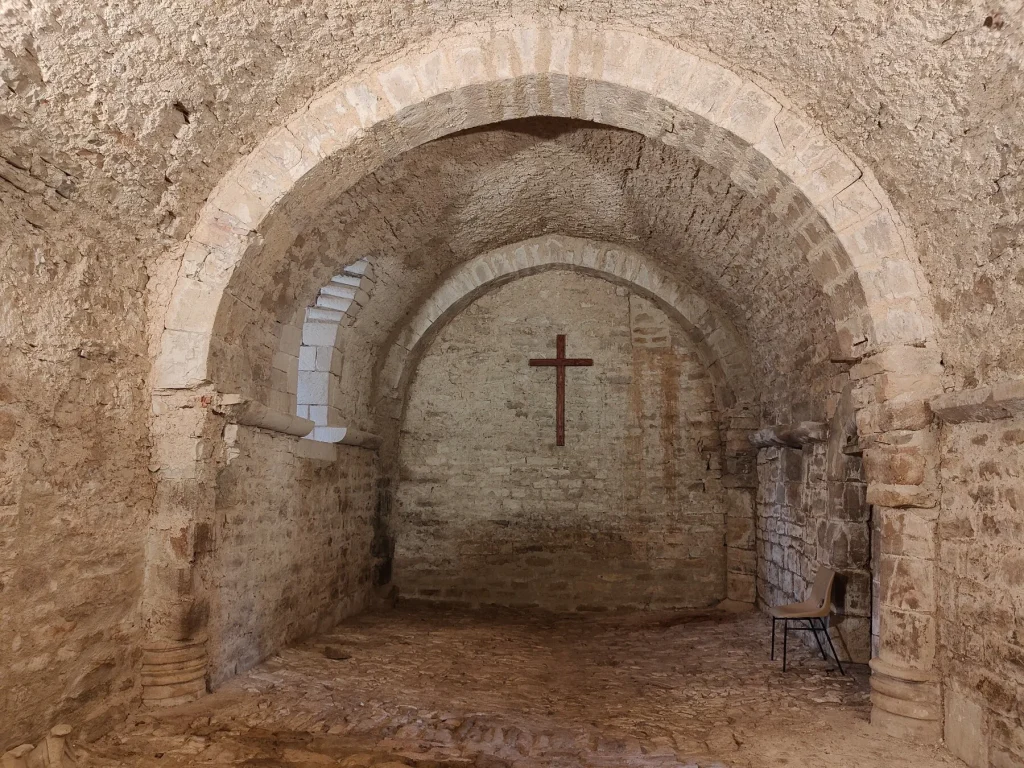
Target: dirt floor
x,y
432,687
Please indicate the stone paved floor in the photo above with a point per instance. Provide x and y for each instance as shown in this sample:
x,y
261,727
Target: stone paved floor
x,y
435,688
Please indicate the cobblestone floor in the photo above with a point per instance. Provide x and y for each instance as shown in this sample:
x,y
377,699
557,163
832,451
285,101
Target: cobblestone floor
x,y
436,688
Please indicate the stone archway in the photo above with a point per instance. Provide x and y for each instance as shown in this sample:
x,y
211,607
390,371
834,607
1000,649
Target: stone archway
x,y
721,349
844,222
725,355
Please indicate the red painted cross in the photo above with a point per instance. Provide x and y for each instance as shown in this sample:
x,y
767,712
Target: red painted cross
x,y
560,362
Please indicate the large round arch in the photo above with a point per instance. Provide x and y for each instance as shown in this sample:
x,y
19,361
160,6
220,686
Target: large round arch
x,y
844,224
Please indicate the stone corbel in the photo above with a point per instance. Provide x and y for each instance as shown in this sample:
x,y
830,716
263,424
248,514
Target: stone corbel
x,y
347,436
790,435
999,401
239,410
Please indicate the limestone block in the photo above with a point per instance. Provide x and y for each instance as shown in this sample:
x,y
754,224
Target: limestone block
x,y
872,240
750,114
401,86
904,413
307,357
290,339
325,359
314,387
182,361
173,672
328,125
908,638
291,156
965,726
905,322
896,465
906,701
261,176
283,402
316,334
316,450
1001,401
890,281
901,496
849,206
701,87
905,532
468,62
366,103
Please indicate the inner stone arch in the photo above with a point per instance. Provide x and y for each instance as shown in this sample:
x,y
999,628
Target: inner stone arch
x,y
489,510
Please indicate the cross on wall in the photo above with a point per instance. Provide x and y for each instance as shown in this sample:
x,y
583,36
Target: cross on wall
x,y
560,362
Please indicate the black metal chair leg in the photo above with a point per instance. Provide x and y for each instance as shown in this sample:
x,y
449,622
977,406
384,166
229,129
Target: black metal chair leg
x,y
834,654
773,638
814,631
785,638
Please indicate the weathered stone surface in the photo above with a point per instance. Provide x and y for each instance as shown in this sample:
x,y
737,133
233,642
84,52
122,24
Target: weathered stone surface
x,y
1001,401
790,435
630,512
755,207
502,688
813,513
981,586
303,528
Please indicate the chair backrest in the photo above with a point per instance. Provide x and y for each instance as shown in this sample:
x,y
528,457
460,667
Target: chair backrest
x,y
821,589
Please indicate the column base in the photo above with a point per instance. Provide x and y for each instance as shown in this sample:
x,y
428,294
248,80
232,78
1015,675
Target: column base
x,y
173,672
906,703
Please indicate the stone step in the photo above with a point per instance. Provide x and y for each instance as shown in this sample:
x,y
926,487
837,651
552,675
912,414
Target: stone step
x,y
361,267
321,315
339,303
343,279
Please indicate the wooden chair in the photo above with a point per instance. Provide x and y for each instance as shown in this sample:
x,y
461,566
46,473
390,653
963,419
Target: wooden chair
x,y
815,610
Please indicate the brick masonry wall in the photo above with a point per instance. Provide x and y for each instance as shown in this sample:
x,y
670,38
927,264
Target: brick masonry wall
x,y
630,512
292,546
981,591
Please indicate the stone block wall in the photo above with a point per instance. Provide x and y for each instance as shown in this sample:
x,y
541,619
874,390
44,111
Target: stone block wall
x,y
630,512
291,544
75,486
811,512
981,590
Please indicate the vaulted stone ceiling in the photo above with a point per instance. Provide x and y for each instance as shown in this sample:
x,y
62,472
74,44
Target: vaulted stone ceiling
x,y
446,202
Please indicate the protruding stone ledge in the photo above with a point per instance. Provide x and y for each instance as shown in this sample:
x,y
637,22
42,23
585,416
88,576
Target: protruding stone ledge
x,y
347,436
239,410
999,401
790,435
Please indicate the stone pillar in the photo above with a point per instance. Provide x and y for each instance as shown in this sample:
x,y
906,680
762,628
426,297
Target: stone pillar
x,y
901,468
186,438
739,477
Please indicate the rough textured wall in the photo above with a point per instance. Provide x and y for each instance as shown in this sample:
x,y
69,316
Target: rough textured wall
x,y
75,487
981,591
134,112
923,92
629,512
292,546
811,511
441,205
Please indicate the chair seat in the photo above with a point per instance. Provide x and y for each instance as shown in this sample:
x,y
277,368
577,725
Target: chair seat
x,y
804,610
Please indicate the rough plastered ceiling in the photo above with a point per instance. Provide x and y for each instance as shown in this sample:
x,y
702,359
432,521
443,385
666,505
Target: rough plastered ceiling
x,y
455,198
